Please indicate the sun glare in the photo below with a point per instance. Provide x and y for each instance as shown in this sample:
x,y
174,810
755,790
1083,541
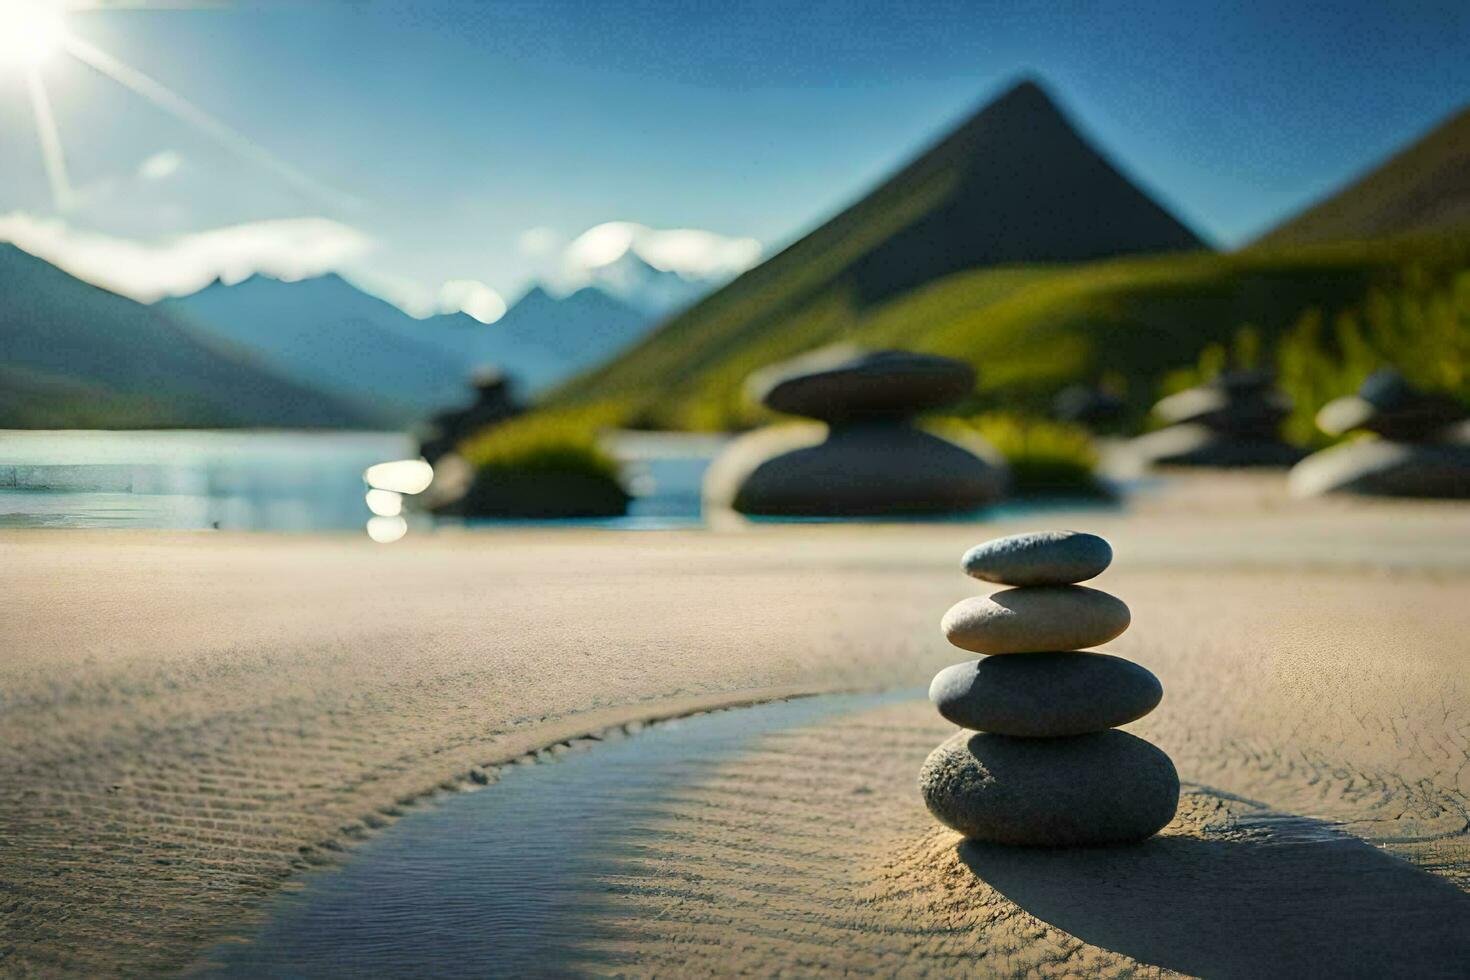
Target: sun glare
x,y
30,32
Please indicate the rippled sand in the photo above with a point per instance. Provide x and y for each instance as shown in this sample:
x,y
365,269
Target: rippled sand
x,y
190,719
812,856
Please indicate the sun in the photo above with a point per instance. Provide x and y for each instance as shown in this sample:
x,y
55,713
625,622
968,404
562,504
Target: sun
x,y
30,32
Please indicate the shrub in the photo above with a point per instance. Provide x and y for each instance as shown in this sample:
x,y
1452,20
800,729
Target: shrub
x,y
560,440
1045,457
1421,327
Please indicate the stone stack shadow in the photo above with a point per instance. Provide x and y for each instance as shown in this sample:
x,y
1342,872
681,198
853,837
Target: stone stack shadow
x,y
1040,760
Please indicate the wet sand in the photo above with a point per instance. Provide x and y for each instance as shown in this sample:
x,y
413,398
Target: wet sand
x,y
190,719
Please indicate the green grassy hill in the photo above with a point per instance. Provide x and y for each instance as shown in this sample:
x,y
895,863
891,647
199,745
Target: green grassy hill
x,y
1422,188
1031,330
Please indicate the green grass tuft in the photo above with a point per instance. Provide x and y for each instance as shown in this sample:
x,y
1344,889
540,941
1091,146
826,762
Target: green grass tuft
x,y
563,440
1046,458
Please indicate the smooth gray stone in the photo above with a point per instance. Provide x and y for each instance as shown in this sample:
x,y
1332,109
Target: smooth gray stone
x,y
1036,619
1378,467
1105,788
869,470
1218,409
1039,558
1045,695
1388,406
843,383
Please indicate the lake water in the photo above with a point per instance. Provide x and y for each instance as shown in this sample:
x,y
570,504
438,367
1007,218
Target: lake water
x,y
272,481
509,881
257,481
302,481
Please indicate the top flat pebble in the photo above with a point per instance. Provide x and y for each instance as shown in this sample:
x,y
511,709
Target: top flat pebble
x,y
1039,558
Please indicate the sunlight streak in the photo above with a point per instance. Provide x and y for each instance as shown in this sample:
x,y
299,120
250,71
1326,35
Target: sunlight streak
x,y
50,138
181,108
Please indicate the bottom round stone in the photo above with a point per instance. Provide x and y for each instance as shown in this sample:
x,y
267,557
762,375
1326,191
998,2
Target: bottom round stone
x,y
1103,788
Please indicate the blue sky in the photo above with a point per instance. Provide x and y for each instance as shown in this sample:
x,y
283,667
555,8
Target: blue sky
x,y
414,143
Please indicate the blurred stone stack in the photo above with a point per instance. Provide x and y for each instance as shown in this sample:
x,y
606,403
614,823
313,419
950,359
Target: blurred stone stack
x,y
1420,445
1233,421
867,459
1040,760
494,402
1092,406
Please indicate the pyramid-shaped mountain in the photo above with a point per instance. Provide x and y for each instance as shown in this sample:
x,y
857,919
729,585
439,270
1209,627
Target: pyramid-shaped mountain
x,y
1016,183
1425,187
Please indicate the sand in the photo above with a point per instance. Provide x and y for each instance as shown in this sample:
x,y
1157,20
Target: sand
x,y
190,719
811,855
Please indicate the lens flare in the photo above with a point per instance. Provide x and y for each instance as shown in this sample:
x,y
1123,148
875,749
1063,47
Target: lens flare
x,y
30,32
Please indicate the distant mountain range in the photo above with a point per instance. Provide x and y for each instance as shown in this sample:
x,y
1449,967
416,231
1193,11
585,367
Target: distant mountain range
x,y
328,333
76,356
571,333
1423,188
264,352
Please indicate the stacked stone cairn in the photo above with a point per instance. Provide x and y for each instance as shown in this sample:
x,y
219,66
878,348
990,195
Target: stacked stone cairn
x,y
494,402
1040,760
1419,445
1233,421
868,459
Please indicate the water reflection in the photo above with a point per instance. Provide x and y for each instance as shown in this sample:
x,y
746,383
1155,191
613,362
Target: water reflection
x,y
386,530
318,481
231,480
384,503
400,475
388,483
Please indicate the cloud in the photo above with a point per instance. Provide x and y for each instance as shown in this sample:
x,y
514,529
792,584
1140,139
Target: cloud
x,y
286,248
691,252
599,256
658,270
160,166
539,242
473,297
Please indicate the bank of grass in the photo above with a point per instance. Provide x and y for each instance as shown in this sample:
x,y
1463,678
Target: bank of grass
x,y
1046,458
549,441
1029,330
1419,326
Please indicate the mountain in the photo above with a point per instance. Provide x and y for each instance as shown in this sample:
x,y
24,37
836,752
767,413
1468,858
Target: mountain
x,y
327,333
1014,184
657,292
572,333
1423,188
75,355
